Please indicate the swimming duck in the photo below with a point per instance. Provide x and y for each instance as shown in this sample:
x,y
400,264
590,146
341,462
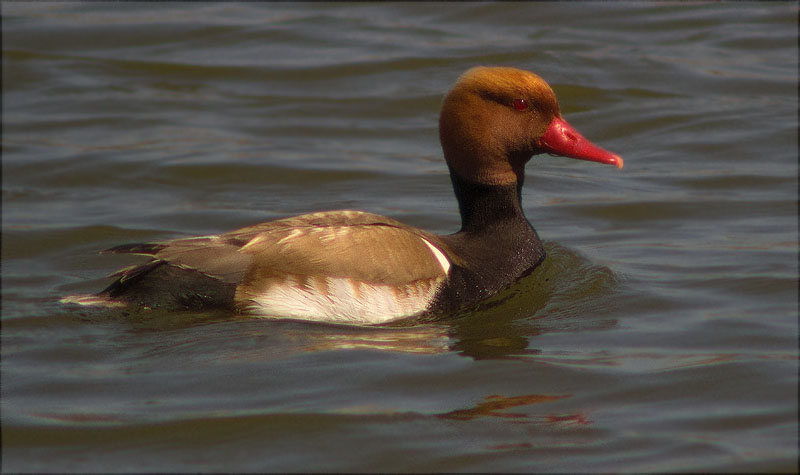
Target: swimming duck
x,y
362,268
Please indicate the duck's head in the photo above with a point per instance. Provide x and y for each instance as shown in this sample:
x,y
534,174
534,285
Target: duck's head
x,y
495,119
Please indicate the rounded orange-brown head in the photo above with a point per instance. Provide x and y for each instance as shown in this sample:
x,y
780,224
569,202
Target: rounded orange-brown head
x,y
495,119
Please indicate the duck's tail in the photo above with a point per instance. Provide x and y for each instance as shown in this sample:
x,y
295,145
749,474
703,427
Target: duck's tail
x,y
92,300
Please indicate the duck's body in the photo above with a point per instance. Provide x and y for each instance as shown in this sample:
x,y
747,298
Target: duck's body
x,y
357,267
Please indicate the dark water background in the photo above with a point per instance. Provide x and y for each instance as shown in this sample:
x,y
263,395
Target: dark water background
x,y
660,335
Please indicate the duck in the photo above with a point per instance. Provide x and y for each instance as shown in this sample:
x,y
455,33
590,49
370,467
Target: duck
x,y
356,267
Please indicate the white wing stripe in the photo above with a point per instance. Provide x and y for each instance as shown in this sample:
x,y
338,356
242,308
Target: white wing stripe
x,y
443,261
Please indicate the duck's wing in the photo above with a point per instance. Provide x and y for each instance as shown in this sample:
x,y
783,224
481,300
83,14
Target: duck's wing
x,y
213,256
340,266
345,244
312,251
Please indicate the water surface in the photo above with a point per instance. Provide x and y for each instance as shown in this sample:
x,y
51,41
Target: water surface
x,y
659,335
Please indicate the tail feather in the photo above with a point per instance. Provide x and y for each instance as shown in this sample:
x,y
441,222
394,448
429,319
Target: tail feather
x,y
134,271
94,300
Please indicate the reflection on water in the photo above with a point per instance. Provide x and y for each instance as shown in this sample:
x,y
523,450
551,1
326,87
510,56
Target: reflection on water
x,y
419,339
564,290
493,406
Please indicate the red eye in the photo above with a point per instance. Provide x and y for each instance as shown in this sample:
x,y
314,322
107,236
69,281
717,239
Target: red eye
x,y
520,104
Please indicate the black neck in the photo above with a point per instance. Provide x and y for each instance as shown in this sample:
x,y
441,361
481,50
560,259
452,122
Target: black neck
x,y
495,246
483,207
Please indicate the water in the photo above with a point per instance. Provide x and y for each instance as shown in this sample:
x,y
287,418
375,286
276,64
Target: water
x,y
660,334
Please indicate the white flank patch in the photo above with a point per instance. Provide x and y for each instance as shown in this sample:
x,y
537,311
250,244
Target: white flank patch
x,y
443,261
346,301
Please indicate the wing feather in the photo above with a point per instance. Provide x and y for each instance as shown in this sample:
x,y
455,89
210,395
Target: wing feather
x,y
361,246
